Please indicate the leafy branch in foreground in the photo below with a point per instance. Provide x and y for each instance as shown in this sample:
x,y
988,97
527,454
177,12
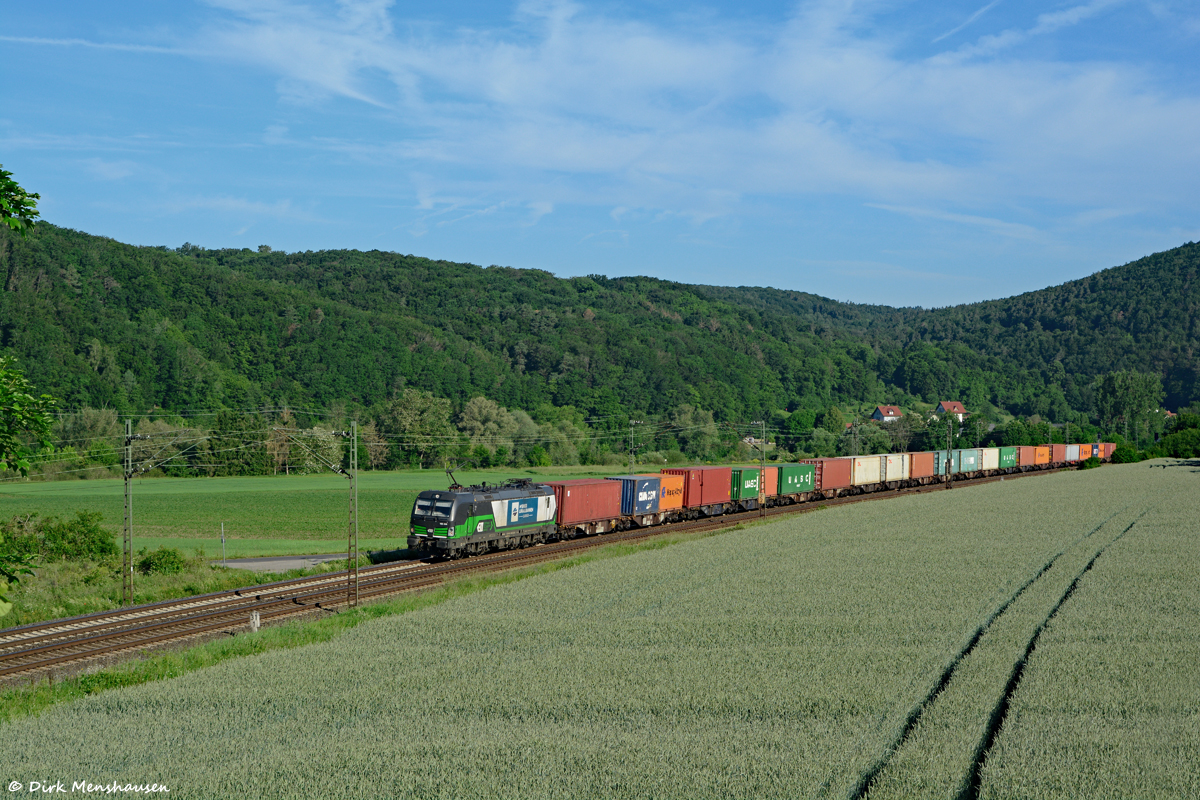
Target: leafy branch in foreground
x,y
18,208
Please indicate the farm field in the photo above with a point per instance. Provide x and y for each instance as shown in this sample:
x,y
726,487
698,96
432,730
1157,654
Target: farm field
x,y
860,651
277,515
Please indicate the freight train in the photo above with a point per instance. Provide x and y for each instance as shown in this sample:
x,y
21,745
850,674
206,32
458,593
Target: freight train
x,y
466,521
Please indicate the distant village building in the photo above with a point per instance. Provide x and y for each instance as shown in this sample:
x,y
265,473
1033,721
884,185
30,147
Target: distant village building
x,y
887,413
951,407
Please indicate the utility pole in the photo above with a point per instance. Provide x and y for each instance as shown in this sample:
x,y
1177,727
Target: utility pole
x,y
352,517
762,466
352,529
632,422
127,557
949,446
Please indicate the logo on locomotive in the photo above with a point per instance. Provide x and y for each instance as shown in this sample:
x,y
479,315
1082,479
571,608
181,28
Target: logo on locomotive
x,y
524,510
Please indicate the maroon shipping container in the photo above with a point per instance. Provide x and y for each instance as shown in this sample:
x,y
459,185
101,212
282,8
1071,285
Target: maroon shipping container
x,y
586,500
832,473
691,484
1058,453
921,465
715,485
1027,456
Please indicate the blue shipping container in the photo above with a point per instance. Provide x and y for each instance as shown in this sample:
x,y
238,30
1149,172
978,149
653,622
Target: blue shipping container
x,y
639,494
939,462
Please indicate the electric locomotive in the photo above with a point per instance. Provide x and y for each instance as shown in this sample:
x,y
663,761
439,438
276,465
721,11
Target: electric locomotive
x,y
467,521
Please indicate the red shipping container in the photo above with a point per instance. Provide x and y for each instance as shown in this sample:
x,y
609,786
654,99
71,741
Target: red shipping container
x,y
691,484
715,485
921,465
1058,453
586,500
1028,456
832,473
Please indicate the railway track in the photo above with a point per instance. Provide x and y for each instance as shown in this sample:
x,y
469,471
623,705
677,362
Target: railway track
x,y
74,644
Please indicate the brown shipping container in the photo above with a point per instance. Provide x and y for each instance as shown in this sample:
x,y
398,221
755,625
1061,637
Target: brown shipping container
x,y
1107,449
715,485
691,484
921,465
1028,456
1058,453
586,500
670,491
1041,454
832,473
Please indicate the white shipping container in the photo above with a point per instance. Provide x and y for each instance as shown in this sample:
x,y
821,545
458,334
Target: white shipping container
x,y
991,458
1072,452
867,469
896,467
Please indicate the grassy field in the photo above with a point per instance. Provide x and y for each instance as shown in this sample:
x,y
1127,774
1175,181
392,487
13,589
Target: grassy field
x,y
280,515
890,649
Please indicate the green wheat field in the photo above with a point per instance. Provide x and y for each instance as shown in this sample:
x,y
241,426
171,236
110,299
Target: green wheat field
x,y
1033,638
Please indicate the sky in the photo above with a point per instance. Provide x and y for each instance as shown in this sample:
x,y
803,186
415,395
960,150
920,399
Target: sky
x,y
899,153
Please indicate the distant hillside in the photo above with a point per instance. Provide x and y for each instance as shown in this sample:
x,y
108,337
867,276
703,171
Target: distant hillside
x,y
97,322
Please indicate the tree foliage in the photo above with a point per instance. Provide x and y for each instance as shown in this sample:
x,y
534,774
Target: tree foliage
x,y
18,208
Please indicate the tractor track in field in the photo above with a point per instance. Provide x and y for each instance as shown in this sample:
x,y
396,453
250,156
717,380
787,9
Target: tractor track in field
x,y
862,788
972,782
67,646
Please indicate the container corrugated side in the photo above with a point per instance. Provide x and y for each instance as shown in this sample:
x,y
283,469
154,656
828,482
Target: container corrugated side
x,y
744,483
866,470
1058,453
715,485
832,473
586,500
895,467
670,491
991,458
921,465
770,481
1028,455
1072,452
639,494
1009,457
967,460
692,478
796,478
939,462
1041,454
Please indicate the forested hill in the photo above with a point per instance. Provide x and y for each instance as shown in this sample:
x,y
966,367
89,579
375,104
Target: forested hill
x,y
97,322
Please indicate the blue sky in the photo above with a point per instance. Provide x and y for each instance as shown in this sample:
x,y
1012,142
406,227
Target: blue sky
x,y
906,153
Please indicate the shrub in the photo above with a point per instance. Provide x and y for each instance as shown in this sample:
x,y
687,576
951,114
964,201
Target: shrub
x,y
1125,454
1090,463
47,537
1184,444
163,561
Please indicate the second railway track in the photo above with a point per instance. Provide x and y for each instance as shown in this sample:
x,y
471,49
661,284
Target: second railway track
x,y
30,651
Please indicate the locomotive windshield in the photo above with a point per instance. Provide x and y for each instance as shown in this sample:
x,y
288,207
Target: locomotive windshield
x,y
433,507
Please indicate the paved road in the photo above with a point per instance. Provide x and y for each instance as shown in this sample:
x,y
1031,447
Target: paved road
x,y
280,563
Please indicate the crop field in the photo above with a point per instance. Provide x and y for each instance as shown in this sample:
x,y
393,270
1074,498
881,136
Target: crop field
x,y
279,515
1028,638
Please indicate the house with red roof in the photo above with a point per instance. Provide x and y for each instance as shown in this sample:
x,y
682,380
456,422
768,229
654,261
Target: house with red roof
x,y
951,407
887,413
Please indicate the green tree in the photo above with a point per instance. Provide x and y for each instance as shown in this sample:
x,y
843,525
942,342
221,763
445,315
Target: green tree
x,y
1127,399
418,426
18,208
833,421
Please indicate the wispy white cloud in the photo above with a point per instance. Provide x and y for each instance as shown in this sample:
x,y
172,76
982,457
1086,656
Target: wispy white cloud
x,y
129,48
1014,229
979,13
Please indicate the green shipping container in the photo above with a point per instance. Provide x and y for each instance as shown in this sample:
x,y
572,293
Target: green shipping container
x,y
1008,457
744,484
795,478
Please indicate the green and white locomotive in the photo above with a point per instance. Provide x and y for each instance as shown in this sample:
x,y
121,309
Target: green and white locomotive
x,y
468,521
